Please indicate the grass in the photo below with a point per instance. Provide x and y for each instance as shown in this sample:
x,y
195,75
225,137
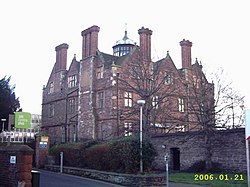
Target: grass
x,y
210,180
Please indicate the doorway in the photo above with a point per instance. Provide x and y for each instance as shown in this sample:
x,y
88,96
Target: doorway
x,y
175,158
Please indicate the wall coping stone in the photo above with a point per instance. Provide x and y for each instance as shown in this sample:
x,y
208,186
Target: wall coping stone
x,y
197,133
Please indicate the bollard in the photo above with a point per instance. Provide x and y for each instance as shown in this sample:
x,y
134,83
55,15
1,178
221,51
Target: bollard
x,y
61,162
35,178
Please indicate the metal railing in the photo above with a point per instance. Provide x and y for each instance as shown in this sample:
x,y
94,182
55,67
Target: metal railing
x,y
18,135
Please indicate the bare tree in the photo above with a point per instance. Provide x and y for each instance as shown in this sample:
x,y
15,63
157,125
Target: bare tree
x,y
213,106
229,105
155,82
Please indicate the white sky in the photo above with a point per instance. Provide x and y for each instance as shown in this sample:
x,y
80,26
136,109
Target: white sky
x,y
30,31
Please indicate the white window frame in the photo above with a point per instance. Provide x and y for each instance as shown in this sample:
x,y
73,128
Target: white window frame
x,y
155,102
180,128
196,81
99,73
128,96
100,99
72,81
181,105
169,77
72,105
128,129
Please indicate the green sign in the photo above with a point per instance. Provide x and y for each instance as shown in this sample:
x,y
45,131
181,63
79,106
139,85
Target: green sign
x,y
22,120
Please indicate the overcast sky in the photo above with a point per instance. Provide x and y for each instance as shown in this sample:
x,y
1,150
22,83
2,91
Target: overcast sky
x,y
30,31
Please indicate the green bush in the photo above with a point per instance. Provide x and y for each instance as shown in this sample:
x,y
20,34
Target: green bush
x,y
72,153
122,155
96,157
125,154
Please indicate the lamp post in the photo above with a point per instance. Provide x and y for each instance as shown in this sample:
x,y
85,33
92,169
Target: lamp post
x,y
141,103
166,159
117,103
232,107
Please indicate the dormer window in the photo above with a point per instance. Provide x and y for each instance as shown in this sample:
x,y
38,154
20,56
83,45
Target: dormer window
x,y
72,81
196,82
169,77
99,73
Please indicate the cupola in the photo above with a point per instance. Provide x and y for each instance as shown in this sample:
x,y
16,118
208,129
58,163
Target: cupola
x,y
123,46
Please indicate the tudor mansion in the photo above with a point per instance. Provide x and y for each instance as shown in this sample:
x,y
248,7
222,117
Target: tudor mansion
x,y
96,98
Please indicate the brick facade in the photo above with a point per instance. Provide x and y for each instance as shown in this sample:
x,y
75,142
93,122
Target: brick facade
x,y
12,173
90,100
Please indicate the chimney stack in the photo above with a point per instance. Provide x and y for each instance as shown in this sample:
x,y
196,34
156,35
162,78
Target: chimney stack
x,y
90,41
61,57
186,53
145,43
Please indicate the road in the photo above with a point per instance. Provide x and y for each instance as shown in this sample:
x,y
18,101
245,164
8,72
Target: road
x,y
52,179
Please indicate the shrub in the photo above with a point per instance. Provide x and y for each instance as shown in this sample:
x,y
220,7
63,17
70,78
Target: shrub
x,y
96,157
122,155
126,155
72,153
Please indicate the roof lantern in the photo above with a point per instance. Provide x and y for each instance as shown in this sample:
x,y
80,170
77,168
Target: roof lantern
x,y
123,46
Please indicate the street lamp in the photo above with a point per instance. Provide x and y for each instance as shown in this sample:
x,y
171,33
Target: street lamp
x,y
232,107
141,103
117,103
166,158
3,120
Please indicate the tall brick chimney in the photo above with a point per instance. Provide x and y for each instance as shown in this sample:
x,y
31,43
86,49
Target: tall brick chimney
x,y
90,41
61,57
145,43
186,53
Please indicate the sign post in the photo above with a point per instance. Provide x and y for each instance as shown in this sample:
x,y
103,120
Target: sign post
x,y
166,158
247,132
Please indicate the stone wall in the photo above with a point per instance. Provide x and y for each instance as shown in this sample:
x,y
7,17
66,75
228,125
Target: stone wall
x,y
118,178
13,173
228,149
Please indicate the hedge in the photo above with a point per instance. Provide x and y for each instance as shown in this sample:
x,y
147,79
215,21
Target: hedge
x,y
122,155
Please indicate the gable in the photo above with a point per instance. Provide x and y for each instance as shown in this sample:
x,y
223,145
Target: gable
x,y
167,64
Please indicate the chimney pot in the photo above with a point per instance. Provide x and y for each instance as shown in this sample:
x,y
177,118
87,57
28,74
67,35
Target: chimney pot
x,y
145,43
61,56
186,53
90,41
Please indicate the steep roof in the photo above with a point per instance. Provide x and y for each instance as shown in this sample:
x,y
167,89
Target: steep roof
x,y
109,60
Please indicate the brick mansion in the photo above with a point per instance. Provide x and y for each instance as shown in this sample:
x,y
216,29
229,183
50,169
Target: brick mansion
x,y
96,97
